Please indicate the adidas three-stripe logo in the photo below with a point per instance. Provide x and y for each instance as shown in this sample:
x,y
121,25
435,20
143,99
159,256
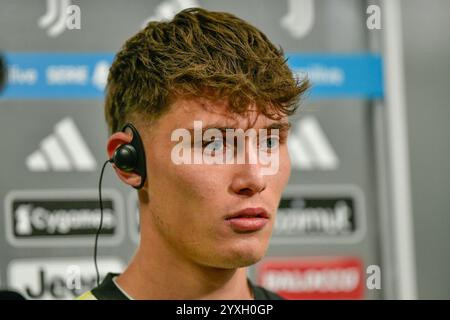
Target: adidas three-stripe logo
x,y
63,150
309,148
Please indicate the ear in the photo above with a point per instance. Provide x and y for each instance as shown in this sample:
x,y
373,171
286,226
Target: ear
x,y
114,141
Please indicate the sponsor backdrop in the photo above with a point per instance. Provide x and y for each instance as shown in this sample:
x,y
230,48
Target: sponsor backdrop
x,y
327,231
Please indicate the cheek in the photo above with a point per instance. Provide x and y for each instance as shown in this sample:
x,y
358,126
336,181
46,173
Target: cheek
x,y
284,172
187,186
198,182
188,197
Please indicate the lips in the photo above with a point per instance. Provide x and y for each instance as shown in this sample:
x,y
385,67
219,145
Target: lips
x,y
248,220
249,213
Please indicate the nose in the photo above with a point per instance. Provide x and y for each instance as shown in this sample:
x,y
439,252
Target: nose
x,y
248,180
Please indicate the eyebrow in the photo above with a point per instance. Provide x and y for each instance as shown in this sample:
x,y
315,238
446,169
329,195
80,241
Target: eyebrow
x,y
282,126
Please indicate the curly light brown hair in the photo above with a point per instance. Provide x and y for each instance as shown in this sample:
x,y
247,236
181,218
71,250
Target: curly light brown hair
x,y
199,53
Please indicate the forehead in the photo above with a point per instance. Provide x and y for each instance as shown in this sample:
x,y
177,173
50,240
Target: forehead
x,y
184,112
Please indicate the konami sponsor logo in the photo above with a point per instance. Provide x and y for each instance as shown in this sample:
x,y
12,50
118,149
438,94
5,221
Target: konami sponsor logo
x,y
313,278
318,217
61,279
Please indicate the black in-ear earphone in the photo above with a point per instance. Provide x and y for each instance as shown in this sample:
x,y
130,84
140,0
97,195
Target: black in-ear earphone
x,y
129,157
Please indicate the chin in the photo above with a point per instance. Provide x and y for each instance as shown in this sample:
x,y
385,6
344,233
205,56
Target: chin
x,y
244,256
247,261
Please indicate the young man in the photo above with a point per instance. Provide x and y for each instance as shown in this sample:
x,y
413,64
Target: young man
x,y
201,223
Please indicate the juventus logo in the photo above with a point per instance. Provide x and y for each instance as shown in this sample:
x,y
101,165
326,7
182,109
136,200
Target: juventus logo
x,y
60,15
299,19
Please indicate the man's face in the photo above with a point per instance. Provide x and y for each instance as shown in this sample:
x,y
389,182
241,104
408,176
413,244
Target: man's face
x,y
189,203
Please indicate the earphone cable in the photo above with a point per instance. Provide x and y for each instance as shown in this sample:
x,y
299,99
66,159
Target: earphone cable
x,y
101,221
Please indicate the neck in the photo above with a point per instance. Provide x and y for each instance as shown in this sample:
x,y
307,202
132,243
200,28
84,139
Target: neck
x,y
157,272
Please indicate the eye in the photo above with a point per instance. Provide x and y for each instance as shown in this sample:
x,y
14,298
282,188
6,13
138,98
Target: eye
x,y
215,144
271,142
